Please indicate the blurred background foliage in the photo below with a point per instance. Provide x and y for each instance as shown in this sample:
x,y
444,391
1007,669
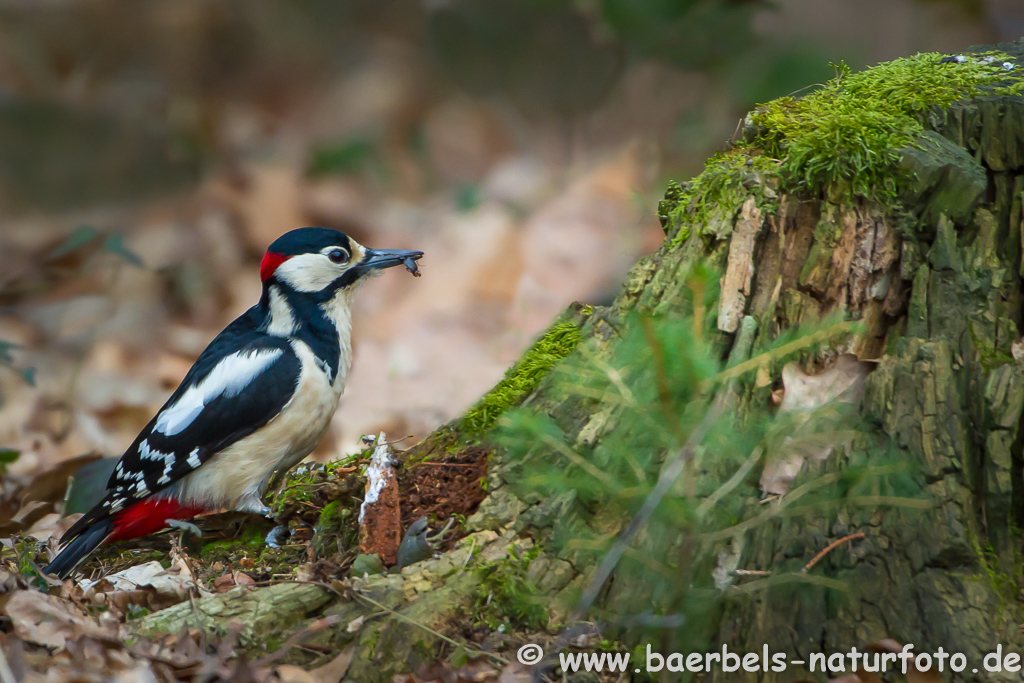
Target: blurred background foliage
x,y
106,101
521,143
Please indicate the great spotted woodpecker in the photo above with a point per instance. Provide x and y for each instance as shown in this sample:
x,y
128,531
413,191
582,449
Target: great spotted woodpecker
x,y
257,400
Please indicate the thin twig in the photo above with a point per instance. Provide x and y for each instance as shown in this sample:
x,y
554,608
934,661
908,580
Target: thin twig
x,y
792,577
784,350
829,548
413,622
318,625
668,477
195,613
577,459
733,482
469,557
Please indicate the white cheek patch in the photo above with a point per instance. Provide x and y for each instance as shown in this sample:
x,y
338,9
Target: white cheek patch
x,y
309,272
229,378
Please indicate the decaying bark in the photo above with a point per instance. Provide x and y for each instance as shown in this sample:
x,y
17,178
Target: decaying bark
x,y
740,268
940,298
380,526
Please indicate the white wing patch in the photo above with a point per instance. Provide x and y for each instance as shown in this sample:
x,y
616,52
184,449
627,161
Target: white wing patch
x,y
148,453
228,378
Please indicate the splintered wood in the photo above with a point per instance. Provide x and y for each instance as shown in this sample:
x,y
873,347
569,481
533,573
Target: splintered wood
x,y
740,268
380,519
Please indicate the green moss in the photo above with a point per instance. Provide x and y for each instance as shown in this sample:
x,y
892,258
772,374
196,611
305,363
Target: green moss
x,y
1006,586
847,135
249,542
989,355
299,486
507,597
846,138
331,528
523,377
728,179
331,514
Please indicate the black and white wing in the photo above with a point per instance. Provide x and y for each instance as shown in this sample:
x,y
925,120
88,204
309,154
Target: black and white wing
x,y
239,383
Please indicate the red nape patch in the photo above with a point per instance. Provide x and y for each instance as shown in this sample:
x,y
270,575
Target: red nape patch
x,y
270,263
149,516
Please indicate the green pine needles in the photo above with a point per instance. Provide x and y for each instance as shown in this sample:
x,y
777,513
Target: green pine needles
x,y
585,470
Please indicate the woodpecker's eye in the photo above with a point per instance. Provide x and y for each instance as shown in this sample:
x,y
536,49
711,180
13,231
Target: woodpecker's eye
x,y
337,255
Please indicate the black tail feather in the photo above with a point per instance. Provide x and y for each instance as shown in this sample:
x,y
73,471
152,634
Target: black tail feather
x,y
76,550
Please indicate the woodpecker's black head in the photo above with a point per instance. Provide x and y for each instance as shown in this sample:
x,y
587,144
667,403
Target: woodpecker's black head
x,y
321,260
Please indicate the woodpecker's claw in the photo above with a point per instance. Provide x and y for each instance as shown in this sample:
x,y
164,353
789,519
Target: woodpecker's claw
x,y
417,544
187,527
439,536
251,502
277,536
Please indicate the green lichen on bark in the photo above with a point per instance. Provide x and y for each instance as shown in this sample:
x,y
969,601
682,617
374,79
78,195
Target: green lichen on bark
x,y
260,614
714,196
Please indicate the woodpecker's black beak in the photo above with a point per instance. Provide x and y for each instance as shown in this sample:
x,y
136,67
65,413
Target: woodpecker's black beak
x,y
378,259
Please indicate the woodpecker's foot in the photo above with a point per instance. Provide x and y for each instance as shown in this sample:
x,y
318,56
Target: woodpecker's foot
x,y
187,527
439,536
417,544
277,536
251,502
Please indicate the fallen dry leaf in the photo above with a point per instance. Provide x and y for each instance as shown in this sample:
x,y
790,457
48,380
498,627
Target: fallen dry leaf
x,y
334,670
842,384
149,585
479,670
516,672
293,674
52,526
355,624
46,620
224,582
